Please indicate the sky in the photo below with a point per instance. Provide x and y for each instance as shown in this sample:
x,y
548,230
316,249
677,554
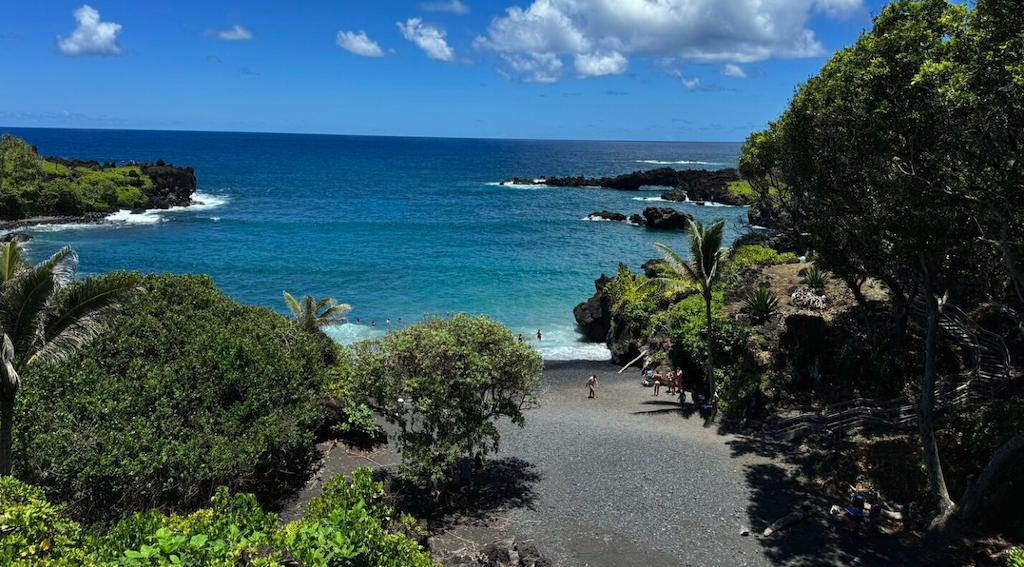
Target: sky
x,y
657,70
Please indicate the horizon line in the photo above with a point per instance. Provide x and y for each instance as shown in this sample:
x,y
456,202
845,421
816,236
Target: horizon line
x,y
5,128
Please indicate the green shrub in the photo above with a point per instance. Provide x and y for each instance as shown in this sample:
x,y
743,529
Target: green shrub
x,y
753,256
349,525
1015,558
187,391
633,299
33,531
815,278
762,304
445,382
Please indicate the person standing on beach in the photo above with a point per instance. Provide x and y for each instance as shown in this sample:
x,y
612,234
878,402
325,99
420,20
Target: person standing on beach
x,y
538,334
592,385
657,383
521,338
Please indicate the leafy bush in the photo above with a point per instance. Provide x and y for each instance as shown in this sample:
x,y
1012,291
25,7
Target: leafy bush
x,y
1015,558
753,255
185,392
633,299
815,278
762,304
445,382
349,525
35,532
346,526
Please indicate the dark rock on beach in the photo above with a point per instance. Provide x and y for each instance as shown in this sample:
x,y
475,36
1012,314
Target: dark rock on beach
x,y
172,186
594,316
637,220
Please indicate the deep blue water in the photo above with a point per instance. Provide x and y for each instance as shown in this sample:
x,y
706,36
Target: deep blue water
x,y
397,227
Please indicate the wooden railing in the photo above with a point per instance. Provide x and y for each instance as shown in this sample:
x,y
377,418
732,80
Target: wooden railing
x,y
987,375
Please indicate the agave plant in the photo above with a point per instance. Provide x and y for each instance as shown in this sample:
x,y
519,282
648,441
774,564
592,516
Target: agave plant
x,y
762,304
45,316
311,315
815,278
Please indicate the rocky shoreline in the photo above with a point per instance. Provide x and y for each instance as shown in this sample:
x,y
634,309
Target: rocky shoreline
x,y
686,185
661,218
171,186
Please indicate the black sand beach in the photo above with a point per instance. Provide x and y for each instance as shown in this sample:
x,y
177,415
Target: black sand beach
x,y
627,479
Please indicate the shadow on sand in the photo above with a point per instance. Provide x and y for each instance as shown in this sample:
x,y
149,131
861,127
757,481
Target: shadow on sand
x,y
503,484
777,489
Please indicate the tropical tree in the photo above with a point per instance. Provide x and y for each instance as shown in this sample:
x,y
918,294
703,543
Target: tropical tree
x,y
44,318
311,315
703,270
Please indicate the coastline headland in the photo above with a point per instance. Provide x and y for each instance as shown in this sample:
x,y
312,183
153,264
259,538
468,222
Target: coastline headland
x,y
686,184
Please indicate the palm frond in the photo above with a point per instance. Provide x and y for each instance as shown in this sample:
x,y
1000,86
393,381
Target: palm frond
x,y
293,305
79,312
62,265
10,261
22,302
667,284
335,315
324,303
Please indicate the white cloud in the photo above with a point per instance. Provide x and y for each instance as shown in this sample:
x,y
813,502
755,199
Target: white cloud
x,y
535,68
701,31
691,83
839,8
733,70
359,44
428,38
453,6
236,33
91,37
600,63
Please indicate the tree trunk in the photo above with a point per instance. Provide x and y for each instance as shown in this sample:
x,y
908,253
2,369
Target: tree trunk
x,y
6,427
711,368
926,402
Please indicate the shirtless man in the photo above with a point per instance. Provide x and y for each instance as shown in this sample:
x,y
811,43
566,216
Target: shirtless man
x,y
592,385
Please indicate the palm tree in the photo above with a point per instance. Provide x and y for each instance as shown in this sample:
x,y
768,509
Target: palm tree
x,y
44,318
311,315
703,270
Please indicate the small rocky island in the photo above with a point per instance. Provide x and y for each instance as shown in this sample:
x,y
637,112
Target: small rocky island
x,y
720,185
663,218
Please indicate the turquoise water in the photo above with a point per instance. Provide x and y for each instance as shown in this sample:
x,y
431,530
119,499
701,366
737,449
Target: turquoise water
x,y
397,227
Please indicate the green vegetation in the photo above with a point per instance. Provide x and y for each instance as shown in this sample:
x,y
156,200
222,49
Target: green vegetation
x,y
444,382
347,526
704,271
741,188
747,256
1015,558
45,318
762,304
31,186
900,163
312,315
633,299
186,391
815,278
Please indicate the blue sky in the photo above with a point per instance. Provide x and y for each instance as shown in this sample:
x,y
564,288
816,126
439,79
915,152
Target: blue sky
x,y
697,70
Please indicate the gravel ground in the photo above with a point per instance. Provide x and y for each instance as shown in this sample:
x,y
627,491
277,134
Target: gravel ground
x,y
627,479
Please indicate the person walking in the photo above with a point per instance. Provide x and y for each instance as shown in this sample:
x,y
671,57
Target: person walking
x,y
592,385
657,383
679,385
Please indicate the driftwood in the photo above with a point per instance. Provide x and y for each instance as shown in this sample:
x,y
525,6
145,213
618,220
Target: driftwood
x,y
630,363
788,520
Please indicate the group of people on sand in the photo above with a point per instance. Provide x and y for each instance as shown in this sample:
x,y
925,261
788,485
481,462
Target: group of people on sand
x,y
675,382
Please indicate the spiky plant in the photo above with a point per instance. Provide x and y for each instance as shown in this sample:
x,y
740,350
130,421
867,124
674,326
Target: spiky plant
x,y
707,258
45,317
762,304
815,278
311,315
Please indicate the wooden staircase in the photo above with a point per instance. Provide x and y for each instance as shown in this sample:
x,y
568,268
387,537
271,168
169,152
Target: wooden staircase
x,y
988,373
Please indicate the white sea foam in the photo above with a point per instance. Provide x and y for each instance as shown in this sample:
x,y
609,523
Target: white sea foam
x,y
201,202
595,218
215,219
521,186
350,333
579,351
651,199
679,162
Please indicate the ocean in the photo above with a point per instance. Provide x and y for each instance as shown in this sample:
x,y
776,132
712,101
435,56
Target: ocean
x,y
397,227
